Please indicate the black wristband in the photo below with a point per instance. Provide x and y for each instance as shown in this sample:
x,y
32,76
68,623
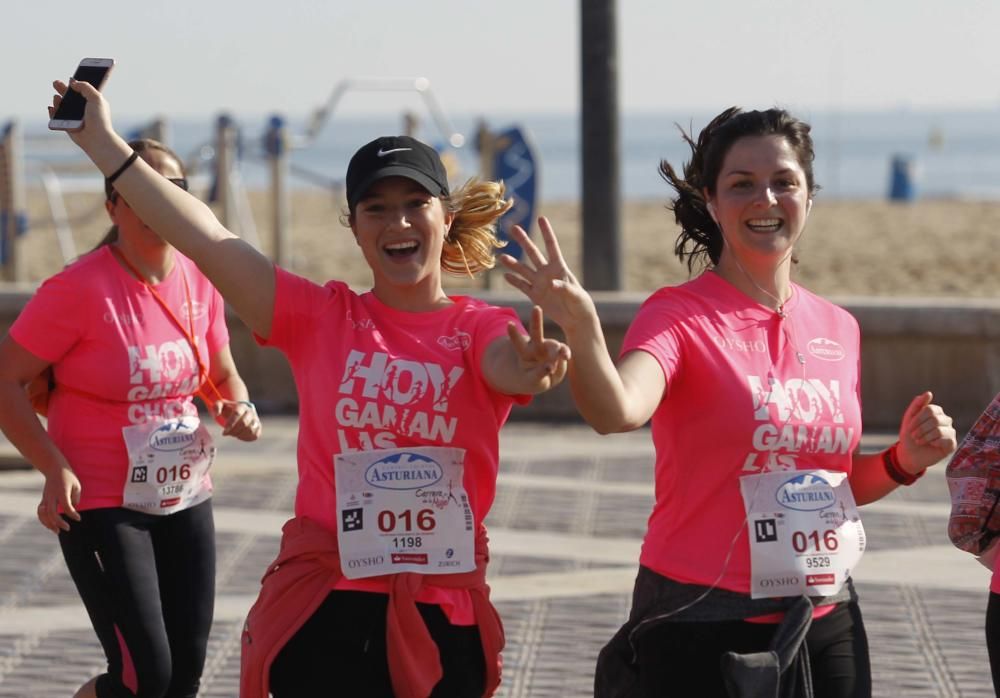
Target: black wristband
x,y
127,164
890,459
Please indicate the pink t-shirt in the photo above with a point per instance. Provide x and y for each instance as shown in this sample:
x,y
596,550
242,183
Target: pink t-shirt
x,y
369,377
738,401
118,359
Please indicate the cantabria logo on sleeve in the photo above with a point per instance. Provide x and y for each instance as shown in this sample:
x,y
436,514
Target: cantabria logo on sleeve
x,y
826,349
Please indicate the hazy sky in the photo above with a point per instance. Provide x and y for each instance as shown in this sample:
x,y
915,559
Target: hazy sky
x,y
186,58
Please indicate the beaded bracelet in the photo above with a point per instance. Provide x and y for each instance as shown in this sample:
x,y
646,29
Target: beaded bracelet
x,y
890,459
127,164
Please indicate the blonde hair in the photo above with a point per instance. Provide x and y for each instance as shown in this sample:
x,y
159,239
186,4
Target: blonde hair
x,y
471,241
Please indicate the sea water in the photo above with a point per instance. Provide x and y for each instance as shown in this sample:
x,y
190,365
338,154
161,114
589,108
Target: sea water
x,y
951,153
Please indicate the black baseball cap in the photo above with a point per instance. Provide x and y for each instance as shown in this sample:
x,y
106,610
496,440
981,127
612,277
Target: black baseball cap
x,y
395,156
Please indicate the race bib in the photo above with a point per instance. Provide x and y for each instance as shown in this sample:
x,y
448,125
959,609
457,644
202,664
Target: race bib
x,y
805,532
169,460
403,510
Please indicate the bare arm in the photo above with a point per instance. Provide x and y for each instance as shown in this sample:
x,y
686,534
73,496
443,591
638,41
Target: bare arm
x,y
620,400
235,413
244,276
611,399
21,425
519,365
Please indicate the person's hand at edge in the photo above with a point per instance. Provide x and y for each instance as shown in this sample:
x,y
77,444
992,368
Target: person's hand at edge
x,y
62,491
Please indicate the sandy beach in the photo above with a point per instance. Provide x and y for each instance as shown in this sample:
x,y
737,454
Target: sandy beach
x,y
936,248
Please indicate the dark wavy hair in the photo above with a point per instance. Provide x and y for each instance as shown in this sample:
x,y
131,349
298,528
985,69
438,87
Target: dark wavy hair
x,y
700,238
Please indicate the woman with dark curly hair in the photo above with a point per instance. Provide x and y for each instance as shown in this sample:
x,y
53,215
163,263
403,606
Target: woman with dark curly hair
x,y
752,385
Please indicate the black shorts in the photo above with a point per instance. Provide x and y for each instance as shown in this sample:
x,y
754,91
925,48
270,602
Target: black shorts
x,y
993,638
341,651
148,583
683,659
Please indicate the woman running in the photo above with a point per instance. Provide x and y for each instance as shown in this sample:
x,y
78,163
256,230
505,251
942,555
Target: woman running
x,y
131,332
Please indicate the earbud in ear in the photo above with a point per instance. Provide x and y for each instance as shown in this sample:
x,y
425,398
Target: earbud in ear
x,y
809,206
711,211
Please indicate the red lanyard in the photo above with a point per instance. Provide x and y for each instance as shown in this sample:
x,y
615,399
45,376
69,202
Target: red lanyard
x,y
188,332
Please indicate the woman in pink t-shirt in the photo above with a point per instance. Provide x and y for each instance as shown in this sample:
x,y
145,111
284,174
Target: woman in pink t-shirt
x,y
379,588
751,384
130,332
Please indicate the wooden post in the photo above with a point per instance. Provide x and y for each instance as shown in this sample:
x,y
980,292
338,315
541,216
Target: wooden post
x,y
13,220
157,130
411,124
601,193
276,145
486,144
225,156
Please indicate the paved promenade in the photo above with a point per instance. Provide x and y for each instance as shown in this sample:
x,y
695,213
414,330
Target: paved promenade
x,y
565,533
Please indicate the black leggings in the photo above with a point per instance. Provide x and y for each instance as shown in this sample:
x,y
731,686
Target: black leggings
x,y
148,583
340,651
993,638
682,659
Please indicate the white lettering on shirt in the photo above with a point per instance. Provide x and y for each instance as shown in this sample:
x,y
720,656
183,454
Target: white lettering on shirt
x,y
417,392
815,408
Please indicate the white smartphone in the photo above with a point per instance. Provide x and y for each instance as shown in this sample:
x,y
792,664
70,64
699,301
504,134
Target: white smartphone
x,y
69,115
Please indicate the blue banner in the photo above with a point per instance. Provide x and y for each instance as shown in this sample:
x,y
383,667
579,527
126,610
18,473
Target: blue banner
x,y
515,163
20,228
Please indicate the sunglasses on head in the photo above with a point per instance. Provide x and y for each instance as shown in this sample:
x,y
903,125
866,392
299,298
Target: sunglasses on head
x,y
179,181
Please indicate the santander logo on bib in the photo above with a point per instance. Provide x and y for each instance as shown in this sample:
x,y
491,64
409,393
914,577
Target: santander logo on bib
x,y
826,349
173,436
806,492
403,471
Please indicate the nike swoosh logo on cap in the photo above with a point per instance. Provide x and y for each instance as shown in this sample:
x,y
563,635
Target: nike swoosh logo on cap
x,y
382,153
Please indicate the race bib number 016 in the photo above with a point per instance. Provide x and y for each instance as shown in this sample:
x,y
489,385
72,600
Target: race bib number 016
x,y
805,532
169,460
403,510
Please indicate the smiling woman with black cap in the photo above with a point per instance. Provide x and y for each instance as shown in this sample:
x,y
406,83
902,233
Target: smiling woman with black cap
x,y
379,588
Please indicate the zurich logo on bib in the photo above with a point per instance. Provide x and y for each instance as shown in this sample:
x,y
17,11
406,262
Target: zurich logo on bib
x,y
806,492
403,471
